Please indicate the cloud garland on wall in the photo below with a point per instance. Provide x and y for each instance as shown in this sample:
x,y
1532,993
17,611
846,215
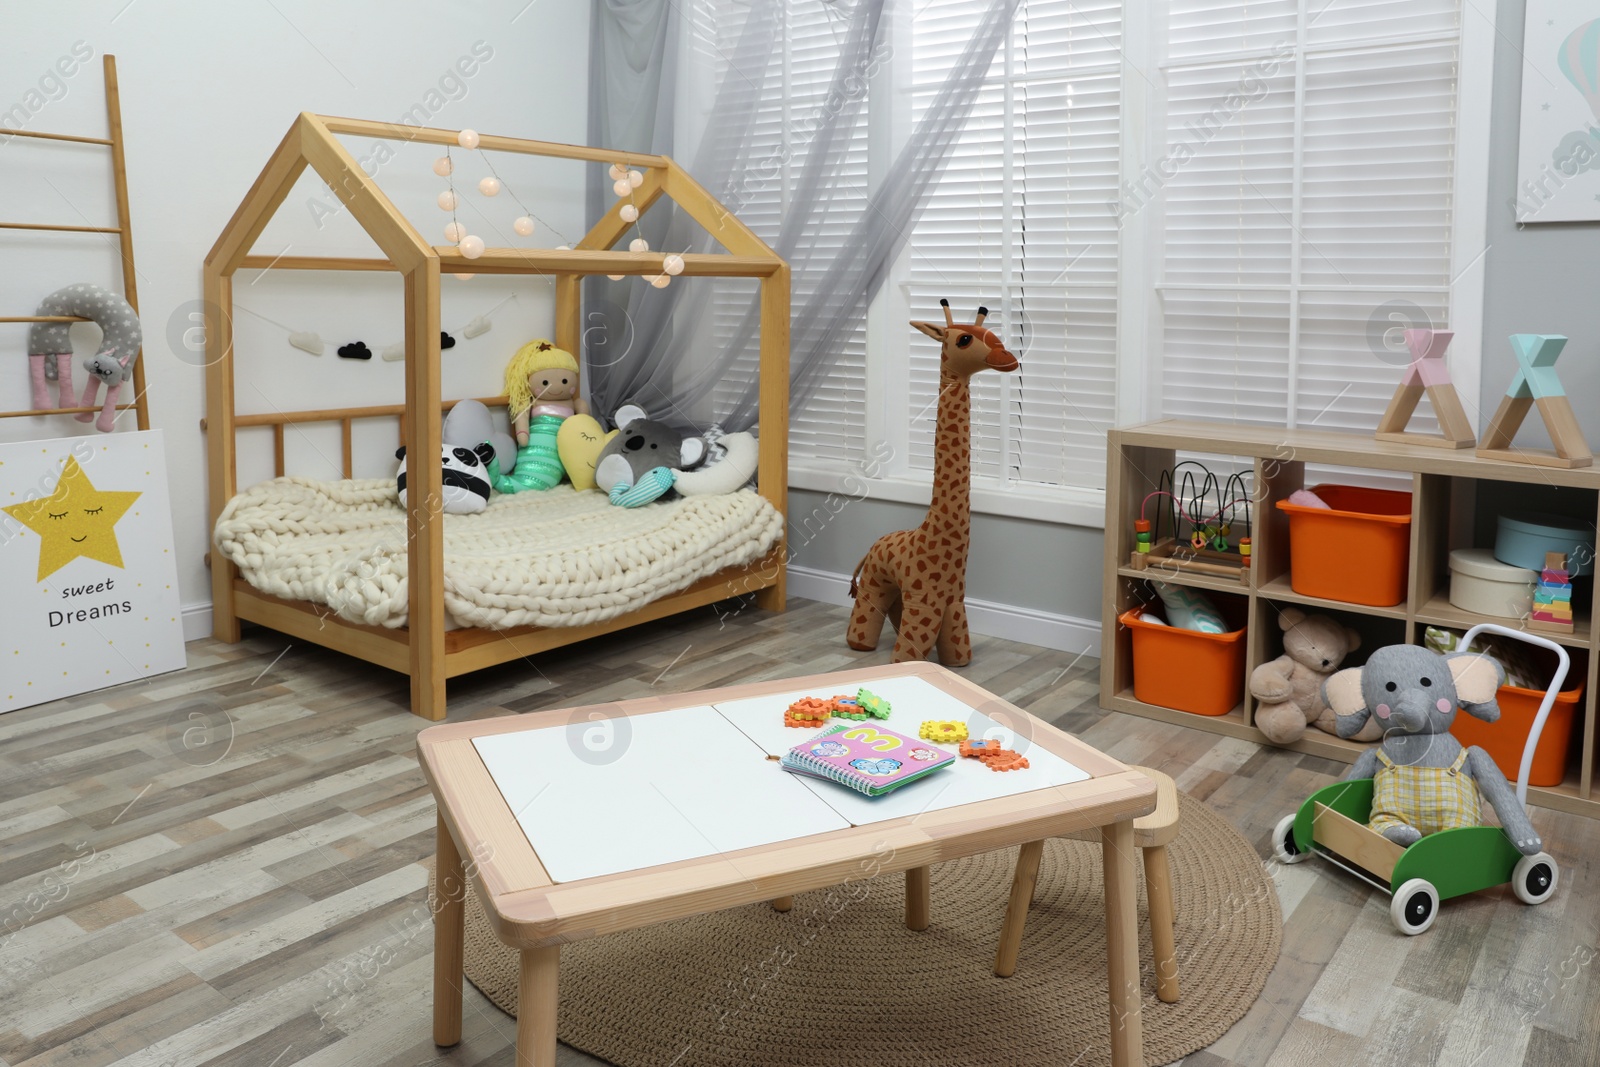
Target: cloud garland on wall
x,y
311,342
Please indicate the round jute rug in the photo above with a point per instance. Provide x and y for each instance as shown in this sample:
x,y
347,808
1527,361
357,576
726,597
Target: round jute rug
x,y
840,982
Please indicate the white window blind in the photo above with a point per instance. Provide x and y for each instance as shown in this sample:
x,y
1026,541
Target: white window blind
x,y
1018,222
1307,204
830,426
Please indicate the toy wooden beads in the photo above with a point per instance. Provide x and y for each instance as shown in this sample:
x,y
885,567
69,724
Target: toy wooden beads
x,y
946,730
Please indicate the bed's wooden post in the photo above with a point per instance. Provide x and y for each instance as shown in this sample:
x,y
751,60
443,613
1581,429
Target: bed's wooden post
x,y
223,477
773,413
569,313
424,492
249,219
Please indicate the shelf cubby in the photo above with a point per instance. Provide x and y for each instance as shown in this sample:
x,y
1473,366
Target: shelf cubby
x,y
1455,498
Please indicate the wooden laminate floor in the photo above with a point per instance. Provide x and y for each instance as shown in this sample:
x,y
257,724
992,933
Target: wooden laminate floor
x,y
223,867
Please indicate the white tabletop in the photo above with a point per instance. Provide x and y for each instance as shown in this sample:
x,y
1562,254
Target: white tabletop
x,y
607,796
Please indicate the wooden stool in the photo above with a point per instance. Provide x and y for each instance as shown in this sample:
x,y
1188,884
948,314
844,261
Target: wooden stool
x,y
1151,833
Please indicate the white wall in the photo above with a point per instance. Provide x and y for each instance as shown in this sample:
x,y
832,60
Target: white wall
x,y
208,90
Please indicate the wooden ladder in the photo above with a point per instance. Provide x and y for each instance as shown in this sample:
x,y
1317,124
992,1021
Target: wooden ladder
x,y
123,229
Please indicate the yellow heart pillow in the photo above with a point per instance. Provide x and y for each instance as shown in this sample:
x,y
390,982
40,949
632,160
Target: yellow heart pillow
x,y
578,443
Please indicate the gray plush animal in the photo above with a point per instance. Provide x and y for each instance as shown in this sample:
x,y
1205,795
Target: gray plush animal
x,y
643,445
1424,780
112,364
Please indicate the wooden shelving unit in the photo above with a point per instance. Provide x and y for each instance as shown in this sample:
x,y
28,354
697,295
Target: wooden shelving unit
x,y
1444,489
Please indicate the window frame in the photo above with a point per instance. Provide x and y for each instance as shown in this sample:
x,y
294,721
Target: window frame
x,y
1139,286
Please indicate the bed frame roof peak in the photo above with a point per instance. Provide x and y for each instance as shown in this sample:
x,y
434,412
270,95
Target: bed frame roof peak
x,y
312,141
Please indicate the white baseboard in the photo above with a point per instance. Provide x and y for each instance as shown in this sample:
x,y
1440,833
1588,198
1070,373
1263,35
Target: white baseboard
x,y
1009,622
196,622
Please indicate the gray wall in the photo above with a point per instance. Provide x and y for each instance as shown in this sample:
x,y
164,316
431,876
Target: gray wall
x,y
1541,278
1039,565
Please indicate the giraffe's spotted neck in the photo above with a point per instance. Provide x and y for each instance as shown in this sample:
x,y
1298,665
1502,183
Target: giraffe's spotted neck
x,y
950,514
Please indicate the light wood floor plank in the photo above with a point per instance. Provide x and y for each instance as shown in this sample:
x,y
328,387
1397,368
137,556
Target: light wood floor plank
x,y
259,899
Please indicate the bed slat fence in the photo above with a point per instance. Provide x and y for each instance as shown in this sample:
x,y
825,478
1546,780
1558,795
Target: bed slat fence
x,y
345,417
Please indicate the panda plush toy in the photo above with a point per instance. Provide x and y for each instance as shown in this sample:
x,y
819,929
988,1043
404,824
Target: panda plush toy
x,y
465,481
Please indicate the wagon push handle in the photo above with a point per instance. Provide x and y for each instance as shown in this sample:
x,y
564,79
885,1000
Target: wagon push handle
x,y
1545,705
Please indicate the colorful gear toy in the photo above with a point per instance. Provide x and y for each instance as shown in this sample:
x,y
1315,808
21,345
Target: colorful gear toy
x,y
846,706
1005,759
980,748
872,704
946,730
807,711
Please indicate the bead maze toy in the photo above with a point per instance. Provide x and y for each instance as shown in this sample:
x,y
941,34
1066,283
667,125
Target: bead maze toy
x,y
1552,597
1195,540
1332,824
1427,372
1536,383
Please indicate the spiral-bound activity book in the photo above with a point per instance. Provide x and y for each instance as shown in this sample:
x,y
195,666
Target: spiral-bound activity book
x,y
869,759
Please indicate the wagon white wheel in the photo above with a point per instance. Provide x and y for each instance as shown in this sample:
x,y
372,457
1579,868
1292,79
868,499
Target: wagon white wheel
x,y
1415,906
1534,878
1283,845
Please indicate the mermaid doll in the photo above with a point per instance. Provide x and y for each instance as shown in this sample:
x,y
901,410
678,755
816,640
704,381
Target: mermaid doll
x,y
542,387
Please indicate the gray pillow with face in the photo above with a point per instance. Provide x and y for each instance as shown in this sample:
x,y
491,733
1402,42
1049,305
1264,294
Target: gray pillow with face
x,y
642,445
469,425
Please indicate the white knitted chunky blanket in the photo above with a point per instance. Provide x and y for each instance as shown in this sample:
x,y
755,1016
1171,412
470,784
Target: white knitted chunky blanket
x,y
556,558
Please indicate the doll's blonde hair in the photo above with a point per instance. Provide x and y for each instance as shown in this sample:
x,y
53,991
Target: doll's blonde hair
x,y
538,354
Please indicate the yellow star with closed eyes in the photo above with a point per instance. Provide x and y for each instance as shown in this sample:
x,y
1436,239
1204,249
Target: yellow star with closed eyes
x,y
76,520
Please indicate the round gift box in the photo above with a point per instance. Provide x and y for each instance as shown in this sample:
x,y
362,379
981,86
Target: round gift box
x,y
1523,540
1481,583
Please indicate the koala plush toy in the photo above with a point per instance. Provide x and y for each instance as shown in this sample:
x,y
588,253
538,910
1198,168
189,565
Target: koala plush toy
x,y
643,460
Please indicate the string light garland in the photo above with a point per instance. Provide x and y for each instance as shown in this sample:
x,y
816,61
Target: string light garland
x,y
625,183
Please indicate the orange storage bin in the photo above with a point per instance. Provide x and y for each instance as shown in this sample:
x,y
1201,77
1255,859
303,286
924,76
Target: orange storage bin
x,y
1503,740
1357,550
1186,669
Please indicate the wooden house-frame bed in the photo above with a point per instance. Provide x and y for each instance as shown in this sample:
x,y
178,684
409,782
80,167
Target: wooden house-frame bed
x,y
424,649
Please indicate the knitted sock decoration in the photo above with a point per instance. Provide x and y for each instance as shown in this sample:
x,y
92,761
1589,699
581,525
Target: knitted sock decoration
x,y
652,485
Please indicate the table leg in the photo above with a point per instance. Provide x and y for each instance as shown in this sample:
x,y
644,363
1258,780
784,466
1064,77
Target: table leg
x,y
782,903
919,898
450,888
537,997
1158,887
1122,944
1022,883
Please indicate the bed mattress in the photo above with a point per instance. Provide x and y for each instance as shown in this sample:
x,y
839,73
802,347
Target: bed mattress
x,y
556,558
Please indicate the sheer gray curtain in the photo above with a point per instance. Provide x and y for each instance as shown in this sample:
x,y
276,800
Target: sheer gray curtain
x,y
653,347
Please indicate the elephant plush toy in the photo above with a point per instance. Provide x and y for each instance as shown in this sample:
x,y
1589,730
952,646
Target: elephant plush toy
x,y
1424,780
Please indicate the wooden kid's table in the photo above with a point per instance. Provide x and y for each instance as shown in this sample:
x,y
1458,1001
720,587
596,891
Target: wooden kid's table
x,y
535,915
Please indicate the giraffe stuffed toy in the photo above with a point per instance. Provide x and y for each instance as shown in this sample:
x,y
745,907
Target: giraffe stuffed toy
x,y
918,578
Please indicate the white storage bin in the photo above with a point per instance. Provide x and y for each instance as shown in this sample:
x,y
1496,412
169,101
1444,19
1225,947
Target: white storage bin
x,y
1481,583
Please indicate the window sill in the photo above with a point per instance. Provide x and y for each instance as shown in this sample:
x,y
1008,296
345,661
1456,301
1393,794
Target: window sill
x,y
1063,506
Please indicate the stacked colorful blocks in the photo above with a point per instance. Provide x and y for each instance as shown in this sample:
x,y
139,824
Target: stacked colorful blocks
x,y
1552,597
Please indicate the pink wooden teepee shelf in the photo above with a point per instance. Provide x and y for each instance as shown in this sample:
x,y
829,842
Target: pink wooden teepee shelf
x,y
1427,372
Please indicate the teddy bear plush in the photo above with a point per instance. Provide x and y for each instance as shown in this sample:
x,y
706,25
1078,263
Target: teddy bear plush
x,y
1288,690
